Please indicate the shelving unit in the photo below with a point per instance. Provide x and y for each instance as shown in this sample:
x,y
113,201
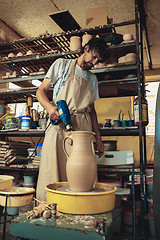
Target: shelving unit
x,y
58,46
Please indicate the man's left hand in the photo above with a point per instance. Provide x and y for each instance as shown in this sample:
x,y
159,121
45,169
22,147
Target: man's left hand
x,y
100,147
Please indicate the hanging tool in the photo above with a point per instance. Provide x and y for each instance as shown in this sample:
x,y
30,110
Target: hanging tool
x,y
64,114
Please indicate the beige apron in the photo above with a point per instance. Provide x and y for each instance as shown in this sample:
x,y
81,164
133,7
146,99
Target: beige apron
x,y
77,93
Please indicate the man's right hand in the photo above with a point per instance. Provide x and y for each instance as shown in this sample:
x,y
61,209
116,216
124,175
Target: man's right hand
x,y
44,101
53,113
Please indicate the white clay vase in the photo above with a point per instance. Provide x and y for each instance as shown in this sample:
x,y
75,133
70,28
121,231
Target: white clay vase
x,y
81,165
75,43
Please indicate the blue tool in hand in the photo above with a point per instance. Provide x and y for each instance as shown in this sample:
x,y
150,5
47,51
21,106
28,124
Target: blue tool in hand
x,y
64,114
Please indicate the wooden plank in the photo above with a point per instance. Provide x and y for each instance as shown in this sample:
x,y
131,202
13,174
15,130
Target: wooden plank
x,y
65,20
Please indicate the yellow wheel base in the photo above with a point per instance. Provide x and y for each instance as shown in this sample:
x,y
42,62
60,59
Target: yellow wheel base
x,y
81,202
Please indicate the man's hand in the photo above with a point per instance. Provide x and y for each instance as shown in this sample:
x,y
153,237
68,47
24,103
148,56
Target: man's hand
x,y
44,101
53,113
100,147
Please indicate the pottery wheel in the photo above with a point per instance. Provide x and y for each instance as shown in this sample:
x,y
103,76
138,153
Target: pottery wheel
x,y
67,189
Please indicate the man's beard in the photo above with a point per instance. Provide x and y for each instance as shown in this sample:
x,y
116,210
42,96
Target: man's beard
x,y
87,66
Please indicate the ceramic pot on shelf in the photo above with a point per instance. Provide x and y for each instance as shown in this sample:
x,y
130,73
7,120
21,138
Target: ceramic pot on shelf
x,y
75,43
81,165
85,39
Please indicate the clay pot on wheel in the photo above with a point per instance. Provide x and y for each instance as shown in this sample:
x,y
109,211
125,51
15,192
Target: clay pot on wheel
x,y
81,165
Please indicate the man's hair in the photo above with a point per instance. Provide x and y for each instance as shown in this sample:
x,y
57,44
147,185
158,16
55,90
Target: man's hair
x,y
98,45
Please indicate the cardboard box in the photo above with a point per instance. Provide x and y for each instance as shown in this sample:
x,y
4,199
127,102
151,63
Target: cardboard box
x,y
96,16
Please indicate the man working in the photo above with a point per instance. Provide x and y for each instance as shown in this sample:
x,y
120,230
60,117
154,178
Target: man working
x,y
73,83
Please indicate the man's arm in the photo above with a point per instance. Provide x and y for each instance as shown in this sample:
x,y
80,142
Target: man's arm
x,y
95,127
41,95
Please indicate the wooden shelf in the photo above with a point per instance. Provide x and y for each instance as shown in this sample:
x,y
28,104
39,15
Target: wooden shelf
x,y
119,131
22,133
18,168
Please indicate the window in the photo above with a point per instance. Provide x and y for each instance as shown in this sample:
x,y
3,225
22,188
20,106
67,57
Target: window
x,y
151,96
19,108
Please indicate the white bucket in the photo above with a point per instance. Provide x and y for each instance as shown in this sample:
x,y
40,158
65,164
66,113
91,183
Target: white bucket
x,y
25,124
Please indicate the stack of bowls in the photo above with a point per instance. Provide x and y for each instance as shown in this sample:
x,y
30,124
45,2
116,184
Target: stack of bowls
x,y
131,57
122,59
128,58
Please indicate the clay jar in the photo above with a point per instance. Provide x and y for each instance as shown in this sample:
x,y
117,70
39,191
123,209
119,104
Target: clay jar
x,y
81,165
75,43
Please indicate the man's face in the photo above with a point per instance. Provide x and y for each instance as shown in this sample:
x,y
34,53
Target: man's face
x,y
91,58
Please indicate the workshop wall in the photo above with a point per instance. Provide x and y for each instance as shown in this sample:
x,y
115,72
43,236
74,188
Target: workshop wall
x,y
110,108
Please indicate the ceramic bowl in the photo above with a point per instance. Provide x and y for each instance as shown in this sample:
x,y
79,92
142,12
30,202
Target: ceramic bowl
x,y
122,59
29,53
20,54
127,37
131,76
131,55
131,60
41,70
11,55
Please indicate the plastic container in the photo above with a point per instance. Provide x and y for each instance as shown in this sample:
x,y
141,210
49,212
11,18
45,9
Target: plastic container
x,y
28,179
31,151
13,211
130,123
39,149
117,123
34,125
124,123
25,123
19,121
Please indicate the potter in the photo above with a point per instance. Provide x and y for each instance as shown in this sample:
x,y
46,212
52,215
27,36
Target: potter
x,y
81,165
73,82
